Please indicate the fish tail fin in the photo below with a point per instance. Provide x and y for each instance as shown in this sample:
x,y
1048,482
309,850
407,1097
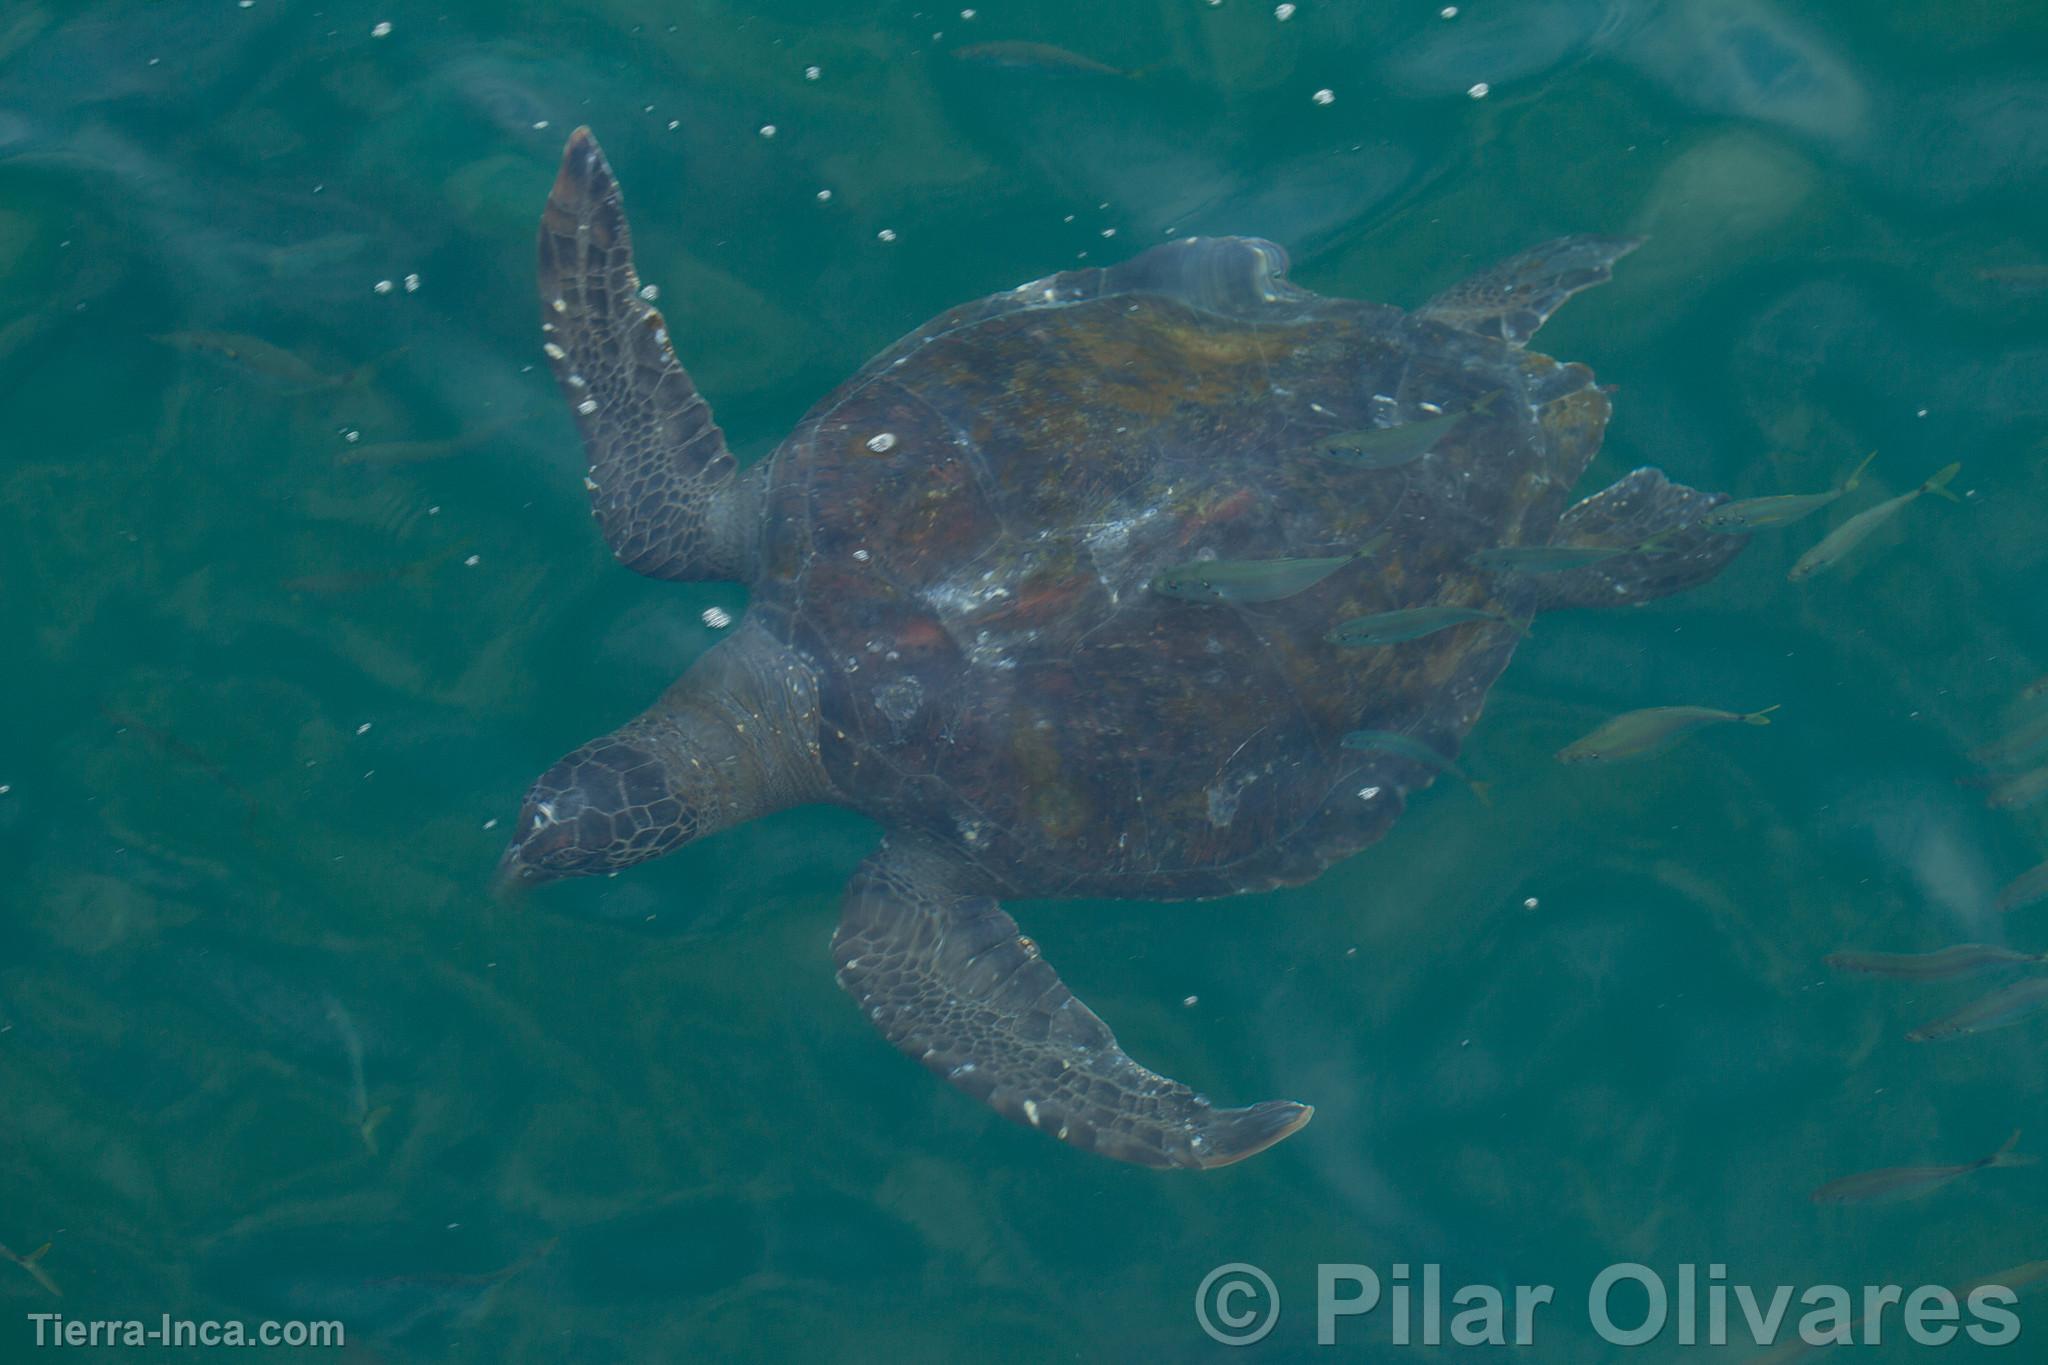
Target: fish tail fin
x,y
37,1254
1762,717
1484,791
1849,485
2007,1156
1139,73
1938,482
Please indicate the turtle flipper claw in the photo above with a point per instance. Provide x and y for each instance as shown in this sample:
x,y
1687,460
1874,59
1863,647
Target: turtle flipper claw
x,y
1234,1134
946,977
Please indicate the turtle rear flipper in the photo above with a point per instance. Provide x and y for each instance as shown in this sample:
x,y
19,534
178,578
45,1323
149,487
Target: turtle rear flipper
x,y
948,979
1512,300
667,493
1643,509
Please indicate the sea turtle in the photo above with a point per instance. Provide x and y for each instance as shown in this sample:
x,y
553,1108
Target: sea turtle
x,y
953,626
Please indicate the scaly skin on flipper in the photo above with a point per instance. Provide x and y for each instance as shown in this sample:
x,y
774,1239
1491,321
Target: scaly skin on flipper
x,y
1644,508
667,493
946,977
1512,300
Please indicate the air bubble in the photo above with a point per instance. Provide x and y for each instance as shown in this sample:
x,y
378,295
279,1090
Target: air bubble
x,y
767,130
1283,12
812,73
382,29
587,406
1324,96
1480,91
824,196
882,441
718,618
381,287
472,561
886,235
650,292
412,284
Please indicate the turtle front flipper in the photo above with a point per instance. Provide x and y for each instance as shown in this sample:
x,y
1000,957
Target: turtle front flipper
x,y
1512,300
1644,509
668,494
945,975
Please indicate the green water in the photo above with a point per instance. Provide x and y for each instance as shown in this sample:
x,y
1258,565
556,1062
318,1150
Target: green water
x,y
261,708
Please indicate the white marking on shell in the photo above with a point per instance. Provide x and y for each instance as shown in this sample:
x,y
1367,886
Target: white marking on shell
x,y
1031,1112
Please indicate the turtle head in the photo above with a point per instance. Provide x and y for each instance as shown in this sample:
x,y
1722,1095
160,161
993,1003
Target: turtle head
x,y
610,804
736,737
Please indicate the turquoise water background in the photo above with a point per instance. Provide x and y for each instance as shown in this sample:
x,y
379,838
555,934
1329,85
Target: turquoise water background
x,y
267,688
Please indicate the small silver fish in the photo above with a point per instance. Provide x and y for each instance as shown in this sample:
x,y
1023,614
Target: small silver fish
x,y
1752,514
2016,747
2030,886
1026,56
1392,627
257,356
1641,733
1389,447
1251,580
31,1263
1950,964
1548,558
1407,746
1901,1183
421,452
1995,1011
1857,529
2021,789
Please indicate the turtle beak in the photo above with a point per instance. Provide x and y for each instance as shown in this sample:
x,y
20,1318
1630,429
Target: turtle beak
x,y
513,877
522,866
